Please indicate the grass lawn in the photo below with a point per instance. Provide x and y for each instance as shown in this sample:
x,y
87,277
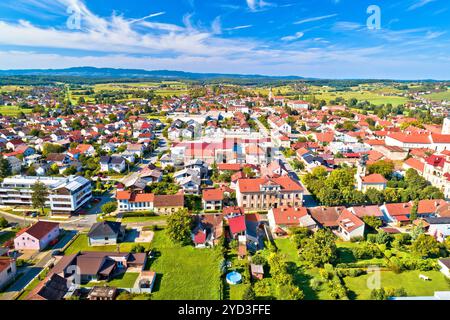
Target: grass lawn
x,y
409,280
184,272
33,284
302,275
125,280
439,96
81,244
5,236
345,254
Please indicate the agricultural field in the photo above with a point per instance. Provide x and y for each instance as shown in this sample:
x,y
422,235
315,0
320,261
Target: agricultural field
x,y
13,110
372,97
439,96
184,272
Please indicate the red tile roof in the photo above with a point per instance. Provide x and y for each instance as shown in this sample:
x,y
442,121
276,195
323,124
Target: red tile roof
x,y
398,209
349,221
237,224
374,178
41,228
253,185
212,195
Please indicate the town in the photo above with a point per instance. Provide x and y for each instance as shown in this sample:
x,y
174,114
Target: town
x,y
224,190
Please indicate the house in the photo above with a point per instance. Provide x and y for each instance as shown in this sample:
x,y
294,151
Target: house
x,y
208,230
102,293
38,236
136,148
236,225
439,228
162,204
98,265
212,199
350,226
286,217
7,271
397,212
367,211
113,163
444,263
265,193
53,287
257,271
146,281
105,233
326,217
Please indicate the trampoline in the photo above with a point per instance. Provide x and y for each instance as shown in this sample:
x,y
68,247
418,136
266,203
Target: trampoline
x,y
234,277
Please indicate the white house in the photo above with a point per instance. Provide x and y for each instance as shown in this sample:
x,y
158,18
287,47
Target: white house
x,y
37,237
350,226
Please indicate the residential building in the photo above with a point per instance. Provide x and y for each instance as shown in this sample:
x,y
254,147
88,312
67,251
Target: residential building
x,y
265,193
114,163
350,226
212,199
105,233
37,237
66,194
286,217
162,204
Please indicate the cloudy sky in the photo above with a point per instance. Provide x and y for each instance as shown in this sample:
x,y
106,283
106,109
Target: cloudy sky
x,y
311,38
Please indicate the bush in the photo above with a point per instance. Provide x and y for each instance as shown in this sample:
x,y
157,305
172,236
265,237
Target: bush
x,y
3,223
353,272
367,250
249,293
315,284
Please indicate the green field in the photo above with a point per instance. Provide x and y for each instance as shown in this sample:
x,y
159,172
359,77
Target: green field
x,y
409,280
13,110
439,96
372,97
184,272
81,244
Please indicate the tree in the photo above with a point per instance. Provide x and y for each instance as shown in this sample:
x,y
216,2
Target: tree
x,y
179,227
109,207
39,196
383,167
249,293
373,222
5,168
320,249
3,223
425,246
415,207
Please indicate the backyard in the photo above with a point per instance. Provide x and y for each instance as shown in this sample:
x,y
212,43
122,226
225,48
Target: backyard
x,y
81,244
184,272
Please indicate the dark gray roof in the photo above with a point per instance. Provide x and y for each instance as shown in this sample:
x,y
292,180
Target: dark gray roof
x,y
435,220
445,262
104,229
105,159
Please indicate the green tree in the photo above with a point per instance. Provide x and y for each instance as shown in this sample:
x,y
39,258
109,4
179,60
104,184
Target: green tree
x,y
249,293
425,246
415,207
109,207
5,168
320,249
383,167
3,223
179,227
39,196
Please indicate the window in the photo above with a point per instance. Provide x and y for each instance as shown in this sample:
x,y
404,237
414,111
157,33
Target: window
x,y
106,238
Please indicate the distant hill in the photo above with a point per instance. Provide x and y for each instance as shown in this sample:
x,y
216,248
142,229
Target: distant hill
x,y
92,72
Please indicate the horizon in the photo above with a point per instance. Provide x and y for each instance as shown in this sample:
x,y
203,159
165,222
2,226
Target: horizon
x,y
330,39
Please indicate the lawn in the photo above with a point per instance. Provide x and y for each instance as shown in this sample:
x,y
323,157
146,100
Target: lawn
x,y
302,275
125,280
409,280
439,96
372,97
184,272
81,244
345,254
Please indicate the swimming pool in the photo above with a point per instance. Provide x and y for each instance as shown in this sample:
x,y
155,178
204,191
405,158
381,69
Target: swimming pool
x,y
234,277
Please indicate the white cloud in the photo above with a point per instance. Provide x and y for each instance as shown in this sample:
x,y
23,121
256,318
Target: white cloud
x,y
315,18
296,36
419,3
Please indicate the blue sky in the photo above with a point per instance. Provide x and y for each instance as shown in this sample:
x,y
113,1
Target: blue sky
x,y
312,38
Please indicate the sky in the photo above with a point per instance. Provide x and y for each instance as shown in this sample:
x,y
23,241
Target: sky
x,y
384,39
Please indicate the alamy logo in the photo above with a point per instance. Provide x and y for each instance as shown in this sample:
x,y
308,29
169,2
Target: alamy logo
x,y
74,20
374,20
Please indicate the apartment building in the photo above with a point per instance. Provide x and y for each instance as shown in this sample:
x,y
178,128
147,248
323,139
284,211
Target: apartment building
x,y
66,194
161,204
265,193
